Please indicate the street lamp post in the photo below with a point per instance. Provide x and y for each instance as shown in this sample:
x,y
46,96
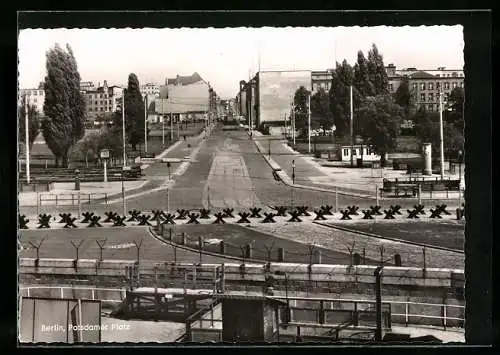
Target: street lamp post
x,y
293,171
123,130
441,144
145,125
459,178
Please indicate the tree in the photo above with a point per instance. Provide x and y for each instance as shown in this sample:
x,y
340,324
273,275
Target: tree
x,y
33,121
376,71
134,112
362,77
403,97
380,124
343,78
454,113
300,101
321,114
427,130
64,106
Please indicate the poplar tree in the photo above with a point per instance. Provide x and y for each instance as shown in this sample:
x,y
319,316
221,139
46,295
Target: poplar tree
x,y
362,77
300,102
134,112
343,78
377,73
64,105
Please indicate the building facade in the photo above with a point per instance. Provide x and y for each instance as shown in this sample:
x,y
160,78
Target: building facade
x,y
321,80
34,97
425,85
150,89
101,100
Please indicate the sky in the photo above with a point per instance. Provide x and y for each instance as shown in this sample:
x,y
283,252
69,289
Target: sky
x,y
225,56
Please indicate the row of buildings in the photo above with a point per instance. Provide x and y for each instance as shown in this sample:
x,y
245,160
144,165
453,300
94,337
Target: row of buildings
x,y
181,97
267,97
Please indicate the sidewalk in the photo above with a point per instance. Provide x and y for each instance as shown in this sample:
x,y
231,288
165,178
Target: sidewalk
x,y
112,190
315,174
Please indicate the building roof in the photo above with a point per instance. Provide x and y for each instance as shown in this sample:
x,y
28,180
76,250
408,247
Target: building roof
x,y
185,80
421,75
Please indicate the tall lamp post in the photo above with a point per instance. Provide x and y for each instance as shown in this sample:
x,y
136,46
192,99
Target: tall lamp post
x,y
293,182
441,144
123,129
26,139
145,125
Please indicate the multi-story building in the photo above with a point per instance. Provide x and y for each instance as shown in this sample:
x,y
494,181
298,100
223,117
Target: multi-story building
x,y
150,89
269,94
104,99
425,85
321,80
35,97
87,86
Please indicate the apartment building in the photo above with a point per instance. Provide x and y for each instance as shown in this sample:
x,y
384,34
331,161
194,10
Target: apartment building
x,y
425,85
35,97
103,99
150,89
321,80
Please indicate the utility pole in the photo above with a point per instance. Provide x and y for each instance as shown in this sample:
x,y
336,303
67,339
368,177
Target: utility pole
x,y
351,127
26,137
286,136
171,121
123,129
309,121
441,144
163,124
145,125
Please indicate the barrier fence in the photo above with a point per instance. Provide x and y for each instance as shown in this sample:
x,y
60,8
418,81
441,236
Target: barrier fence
x,y
302,309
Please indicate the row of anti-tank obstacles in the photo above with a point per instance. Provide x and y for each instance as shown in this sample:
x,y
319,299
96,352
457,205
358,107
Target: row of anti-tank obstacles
x,y
162,217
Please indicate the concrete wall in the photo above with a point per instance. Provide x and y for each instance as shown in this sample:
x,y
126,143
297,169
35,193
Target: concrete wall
x,y
242,320
397,281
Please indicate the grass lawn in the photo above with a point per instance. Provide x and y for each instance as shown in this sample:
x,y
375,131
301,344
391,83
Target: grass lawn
x,y
445,233
236,237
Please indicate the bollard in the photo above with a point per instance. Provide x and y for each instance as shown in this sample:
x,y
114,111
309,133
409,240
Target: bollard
x,y
248,251
222,247
184,239
281,255
376,194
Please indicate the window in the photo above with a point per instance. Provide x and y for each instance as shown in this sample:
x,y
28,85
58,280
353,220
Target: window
x,y
437,75
41,93
431,86
454,85
446,86
414,86
96,102
438,85
422,86
461,84
391,87
90,109
345,152
429,107
102,109
431,96
422,97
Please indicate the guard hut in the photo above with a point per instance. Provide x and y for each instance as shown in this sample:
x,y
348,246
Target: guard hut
x,y
249,317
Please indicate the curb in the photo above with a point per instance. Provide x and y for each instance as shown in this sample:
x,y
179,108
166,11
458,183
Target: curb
x,y
286,179
430,246
197,251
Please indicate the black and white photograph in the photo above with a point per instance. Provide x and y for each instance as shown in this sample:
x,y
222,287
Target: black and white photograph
x,y
241,184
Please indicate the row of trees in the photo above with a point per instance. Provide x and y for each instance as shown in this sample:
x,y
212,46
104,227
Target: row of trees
x,y
64,114
377,113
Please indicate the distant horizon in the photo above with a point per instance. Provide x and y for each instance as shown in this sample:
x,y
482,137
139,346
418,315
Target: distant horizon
x,y
224,57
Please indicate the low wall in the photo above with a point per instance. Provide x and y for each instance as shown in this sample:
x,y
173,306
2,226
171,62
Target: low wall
x,y
360,279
